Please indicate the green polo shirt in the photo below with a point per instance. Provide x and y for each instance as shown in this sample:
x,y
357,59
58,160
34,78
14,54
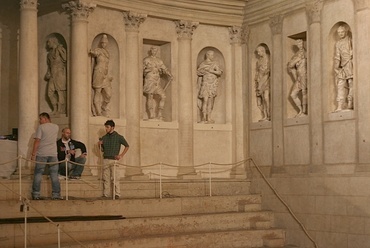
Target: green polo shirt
x,y
112,144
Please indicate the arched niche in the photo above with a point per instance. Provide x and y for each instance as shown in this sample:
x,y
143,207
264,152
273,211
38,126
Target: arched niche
x,y
332,83
112,76
218,113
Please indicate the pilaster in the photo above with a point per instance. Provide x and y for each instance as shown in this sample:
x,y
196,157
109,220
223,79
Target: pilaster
x,y
28,76
313,10
238,136
185,31
276,25
132,22
79,11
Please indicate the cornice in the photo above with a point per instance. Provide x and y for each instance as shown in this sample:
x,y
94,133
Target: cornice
x,y
257,11
215,12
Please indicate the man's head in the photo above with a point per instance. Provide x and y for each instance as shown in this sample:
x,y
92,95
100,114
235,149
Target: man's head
x,y
44,118
104,41
342,31
153,51
66,133
109,126
209,54
261,50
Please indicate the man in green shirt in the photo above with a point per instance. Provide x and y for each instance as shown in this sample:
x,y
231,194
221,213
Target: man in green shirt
x,y
111,145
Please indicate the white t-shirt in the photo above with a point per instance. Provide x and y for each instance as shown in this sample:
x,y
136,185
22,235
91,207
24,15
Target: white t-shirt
x,y
48,135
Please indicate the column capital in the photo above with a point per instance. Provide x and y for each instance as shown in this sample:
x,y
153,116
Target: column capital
x,y
28,4
361,4
313,10
235,33
79,9
185,29
276,24
133,20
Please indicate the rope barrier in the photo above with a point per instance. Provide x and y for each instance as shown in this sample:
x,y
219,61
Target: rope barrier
x,y
284,203
209,172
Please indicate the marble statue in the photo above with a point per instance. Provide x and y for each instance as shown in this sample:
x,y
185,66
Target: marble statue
x,y
56,75
343,69
101,80
297,66
154,68
262,83
209,72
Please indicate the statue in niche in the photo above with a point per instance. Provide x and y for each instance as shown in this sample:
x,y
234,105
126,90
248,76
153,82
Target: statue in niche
x,y
209,72
101,81
56,75
297,66
262,83
343,69
154,68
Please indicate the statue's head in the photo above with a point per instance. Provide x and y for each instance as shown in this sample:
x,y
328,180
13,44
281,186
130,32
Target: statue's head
x,y
104,41
342,31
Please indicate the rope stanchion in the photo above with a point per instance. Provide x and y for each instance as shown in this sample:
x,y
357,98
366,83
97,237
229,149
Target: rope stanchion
x,y
19,160
210,178
114,180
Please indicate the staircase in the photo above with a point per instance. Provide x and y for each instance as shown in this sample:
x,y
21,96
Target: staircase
x,y
185,216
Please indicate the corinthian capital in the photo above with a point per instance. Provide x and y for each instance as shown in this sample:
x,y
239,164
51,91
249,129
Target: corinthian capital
x,y
185,29
313,10
79,9
133,20
28,4
276,24
235,33
361,4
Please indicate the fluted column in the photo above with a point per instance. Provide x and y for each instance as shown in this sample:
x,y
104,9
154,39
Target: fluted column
x,y
28,75
238,137
315,85
361,80
133,94
79,61
184,31
276,24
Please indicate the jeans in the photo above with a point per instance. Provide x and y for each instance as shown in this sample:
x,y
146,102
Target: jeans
x,y
74,170
39,170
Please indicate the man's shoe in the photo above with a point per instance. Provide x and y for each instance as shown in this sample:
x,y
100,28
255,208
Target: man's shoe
x,y
57,198
116,197
37,198
74,178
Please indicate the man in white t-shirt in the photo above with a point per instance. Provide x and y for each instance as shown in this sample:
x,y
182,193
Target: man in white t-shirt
x,y
45,152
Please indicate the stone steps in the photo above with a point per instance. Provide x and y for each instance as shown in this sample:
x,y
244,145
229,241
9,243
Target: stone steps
x,y
90,187
187,217
134,228
221,239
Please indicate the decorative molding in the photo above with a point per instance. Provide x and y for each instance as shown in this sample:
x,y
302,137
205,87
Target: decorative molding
x,y
245,33
276,24
79,9
313,10
28,4
185,29
235,33
133,20
361,4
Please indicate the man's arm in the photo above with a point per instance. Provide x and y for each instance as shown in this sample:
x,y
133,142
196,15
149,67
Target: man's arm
x,y
36,144
118,157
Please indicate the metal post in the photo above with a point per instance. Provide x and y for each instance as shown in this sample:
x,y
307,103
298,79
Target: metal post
x,y
25,208
66,162
210,178
114,180
58,235
20,176
160,180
